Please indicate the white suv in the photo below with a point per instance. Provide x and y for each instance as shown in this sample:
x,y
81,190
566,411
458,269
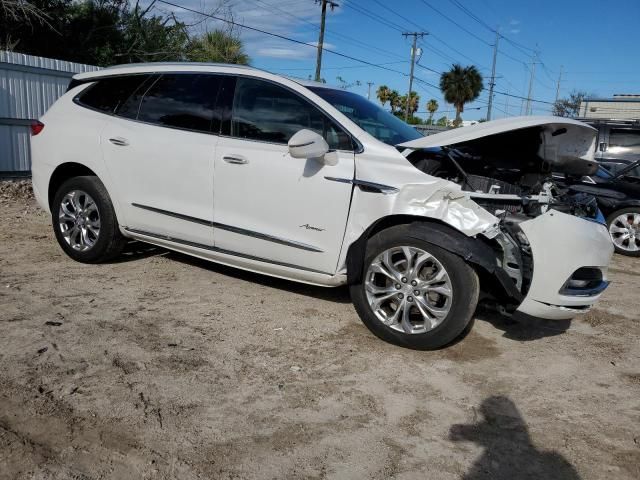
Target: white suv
x,y
317,185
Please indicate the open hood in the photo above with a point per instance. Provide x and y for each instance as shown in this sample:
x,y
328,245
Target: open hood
x,y
566,145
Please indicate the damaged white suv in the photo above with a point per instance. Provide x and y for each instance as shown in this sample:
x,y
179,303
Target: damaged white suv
x,y
317,185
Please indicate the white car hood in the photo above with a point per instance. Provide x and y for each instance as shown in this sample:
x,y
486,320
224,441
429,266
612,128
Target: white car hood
x,y
563,142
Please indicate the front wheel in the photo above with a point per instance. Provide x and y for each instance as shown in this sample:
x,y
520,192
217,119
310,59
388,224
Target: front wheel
x,y
413,293
624,228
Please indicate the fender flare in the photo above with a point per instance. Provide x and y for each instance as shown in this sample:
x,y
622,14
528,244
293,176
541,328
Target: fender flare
x,y
471,249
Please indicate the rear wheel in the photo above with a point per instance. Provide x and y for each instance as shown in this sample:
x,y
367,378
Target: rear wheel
x,y
624,228
84,221
413,293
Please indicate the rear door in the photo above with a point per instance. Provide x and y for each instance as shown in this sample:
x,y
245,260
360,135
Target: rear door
x,y
159,151
268,205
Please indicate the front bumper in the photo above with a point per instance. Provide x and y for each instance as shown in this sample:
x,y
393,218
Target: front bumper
x,y
561,244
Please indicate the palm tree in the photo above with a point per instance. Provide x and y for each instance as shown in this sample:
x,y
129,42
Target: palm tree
x,y
394,101
414,102
218,46
383,93
461,85
432,107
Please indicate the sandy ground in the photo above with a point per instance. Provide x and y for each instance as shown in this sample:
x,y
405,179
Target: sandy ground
x,y
162,366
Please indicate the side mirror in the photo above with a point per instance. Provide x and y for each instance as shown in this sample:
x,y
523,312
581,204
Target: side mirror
x,y
308,144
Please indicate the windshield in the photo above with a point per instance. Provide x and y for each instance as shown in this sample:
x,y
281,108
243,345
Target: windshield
x,y
374,120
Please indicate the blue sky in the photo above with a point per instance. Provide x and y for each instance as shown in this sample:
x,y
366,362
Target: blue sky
x,y
594,41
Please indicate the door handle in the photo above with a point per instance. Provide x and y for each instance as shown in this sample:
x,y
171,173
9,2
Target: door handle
x,y
121,142
236,160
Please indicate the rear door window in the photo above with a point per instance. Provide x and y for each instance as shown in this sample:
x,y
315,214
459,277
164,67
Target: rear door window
x,y
107,94
268,112
185,101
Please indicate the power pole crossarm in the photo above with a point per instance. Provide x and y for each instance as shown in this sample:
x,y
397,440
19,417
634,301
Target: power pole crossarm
x,y
415,36
323,4
493,75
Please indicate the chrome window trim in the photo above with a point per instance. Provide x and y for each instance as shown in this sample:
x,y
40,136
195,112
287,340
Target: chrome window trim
x,y
358,147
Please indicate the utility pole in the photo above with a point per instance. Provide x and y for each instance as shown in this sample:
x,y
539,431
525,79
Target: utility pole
x,y
415,36
324,4
369,90
493,75
558,85
506,104
529,110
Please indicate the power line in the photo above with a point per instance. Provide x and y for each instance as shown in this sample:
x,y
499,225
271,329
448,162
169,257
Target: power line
x,y
282,37
334,52
455,23
348,39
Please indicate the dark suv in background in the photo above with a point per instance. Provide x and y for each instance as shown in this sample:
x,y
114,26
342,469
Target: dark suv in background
x,y
616,185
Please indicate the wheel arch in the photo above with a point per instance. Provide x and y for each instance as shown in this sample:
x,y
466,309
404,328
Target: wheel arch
x,y
471,249
62,173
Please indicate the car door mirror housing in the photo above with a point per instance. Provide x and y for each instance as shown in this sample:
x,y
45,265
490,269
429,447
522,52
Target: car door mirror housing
x,y
308,144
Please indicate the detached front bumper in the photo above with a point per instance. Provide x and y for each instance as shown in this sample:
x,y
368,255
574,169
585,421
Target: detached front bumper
x,y
563,246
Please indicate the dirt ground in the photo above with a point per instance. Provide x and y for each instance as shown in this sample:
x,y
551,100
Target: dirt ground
x,y
162,366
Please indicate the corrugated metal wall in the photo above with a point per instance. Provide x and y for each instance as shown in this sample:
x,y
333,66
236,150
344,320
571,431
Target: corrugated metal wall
x,y
28,87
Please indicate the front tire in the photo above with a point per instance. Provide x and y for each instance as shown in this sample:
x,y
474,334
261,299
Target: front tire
x,y
414,294
84,221
624,229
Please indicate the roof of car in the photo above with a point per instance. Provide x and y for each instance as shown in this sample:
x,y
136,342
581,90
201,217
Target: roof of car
x,y
160,67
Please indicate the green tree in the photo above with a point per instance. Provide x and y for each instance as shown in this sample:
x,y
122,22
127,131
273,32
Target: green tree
x,y
570,106
384,94
222,46
394,101
414,101
432,107
442,122
461,85
98,32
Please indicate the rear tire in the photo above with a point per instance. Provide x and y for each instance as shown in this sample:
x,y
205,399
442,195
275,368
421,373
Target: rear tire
x,y
624,229
435,292
84,221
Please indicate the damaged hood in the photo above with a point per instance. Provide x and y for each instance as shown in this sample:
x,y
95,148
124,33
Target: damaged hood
x,y
566,145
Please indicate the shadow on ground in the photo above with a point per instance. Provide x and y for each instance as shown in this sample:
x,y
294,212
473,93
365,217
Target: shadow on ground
x,y
509,452
522,327
339,294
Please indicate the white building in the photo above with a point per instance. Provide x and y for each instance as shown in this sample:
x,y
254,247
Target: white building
x,y
620,107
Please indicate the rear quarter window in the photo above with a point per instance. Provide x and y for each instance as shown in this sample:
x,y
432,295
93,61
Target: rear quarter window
x,y
107,94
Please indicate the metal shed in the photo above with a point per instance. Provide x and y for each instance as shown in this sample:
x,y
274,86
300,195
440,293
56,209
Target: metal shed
x,y
28,87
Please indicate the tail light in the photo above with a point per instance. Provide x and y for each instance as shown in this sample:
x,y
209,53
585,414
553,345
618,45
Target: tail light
x,y
36,127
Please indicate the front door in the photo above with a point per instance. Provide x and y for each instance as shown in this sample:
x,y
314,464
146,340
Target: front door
x,y
159,151
269,205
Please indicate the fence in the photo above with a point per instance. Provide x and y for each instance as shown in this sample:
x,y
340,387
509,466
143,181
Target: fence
x,y
28,87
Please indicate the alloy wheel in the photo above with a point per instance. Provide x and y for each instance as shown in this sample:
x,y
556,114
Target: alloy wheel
x,y
625,231
79,220
408,289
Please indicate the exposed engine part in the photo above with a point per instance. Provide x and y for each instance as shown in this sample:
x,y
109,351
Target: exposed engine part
x,y
511,261
500,188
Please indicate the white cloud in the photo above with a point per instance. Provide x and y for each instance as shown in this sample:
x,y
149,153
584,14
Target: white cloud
x,y
514,22
514,31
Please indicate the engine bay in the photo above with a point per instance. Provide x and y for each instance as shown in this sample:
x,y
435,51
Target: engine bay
x,y
514,187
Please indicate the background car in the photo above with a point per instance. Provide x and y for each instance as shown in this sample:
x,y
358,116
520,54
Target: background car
x,y
618,197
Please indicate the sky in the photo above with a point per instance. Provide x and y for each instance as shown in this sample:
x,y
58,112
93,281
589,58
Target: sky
x,y
594,43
